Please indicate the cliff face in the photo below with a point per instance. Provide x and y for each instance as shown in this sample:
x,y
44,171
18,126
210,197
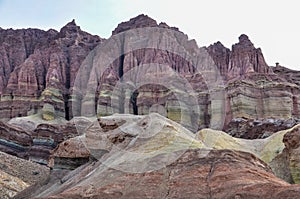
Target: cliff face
x,y
171,162
38,70
253,89
243,59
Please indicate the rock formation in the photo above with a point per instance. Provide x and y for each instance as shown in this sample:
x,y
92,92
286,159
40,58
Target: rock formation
x,y
17,174
61,91
216,175
38,69
243,59
34,143
161,71
292,144
253,90
249,88
153,157
258,128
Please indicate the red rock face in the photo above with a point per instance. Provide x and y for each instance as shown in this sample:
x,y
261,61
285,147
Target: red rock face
x,y
252,89
141,21
35,144
220,174
243,59
38,70
31,59
259,128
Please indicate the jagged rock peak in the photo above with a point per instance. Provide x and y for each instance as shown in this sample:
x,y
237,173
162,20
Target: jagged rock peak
x,y
70,28
72,23
245,41
137,22
243,38
140,21
217,44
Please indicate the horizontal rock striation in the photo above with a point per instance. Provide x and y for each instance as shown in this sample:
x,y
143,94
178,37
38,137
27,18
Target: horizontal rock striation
x,y
38,69
249,88
253,90
154,157
36,144
144,67
174,181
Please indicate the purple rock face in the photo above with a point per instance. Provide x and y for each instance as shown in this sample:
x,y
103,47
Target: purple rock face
x,y
38,70
33,60
243,59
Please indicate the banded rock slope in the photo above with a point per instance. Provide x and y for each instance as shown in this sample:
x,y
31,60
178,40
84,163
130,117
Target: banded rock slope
x,y
170,163
39,70
251,89
17,174
24,138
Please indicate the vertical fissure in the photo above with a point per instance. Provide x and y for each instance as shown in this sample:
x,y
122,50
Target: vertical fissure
x,y
121,73
67,94
133,101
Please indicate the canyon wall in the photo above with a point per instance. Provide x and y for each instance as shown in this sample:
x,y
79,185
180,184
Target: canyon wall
x,y
199,87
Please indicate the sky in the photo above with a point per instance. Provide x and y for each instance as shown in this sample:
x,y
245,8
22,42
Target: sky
x,y
272,25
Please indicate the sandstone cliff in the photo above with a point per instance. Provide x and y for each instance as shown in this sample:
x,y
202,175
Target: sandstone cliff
x,y
39,67
149,67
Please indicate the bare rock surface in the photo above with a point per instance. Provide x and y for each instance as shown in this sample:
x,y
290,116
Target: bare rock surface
x,y
17,174
32,138
250,88
258,128
292,152
219,174
154,157
39,70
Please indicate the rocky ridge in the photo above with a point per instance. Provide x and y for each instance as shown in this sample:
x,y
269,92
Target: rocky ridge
x,y
250,88
39,70
171,162
41,79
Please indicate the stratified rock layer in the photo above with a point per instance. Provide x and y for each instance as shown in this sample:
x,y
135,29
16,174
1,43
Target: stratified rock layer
x,y
220,174
32,141
38,69
150,67
153,157
253,90
249,88
292,152
17,174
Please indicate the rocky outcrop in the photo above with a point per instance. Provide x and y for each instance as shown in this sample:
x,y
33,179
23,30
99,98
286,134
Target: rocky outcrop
x,y
245,85
258,128
70,154
39,68
253,90
144,67
243,59
14,140
174,181
153,157
292,144
290,75
34,141
164,72
140,21
17,174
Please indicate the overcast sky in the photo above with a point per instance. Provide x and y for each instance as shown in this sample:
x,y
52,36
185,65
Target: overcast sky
x,y
272,25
